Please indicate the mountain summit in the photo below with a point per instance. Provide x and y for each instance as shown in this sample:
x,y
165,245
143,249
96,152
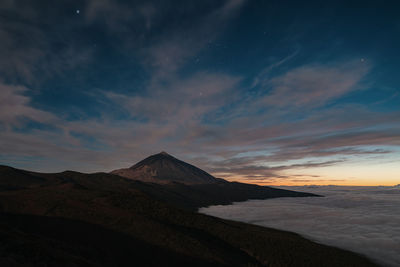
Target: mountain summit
x,y
163,168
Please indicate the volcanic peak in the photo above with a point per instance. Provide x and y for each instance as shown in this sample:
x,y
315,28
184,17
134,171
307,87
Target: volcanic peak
x,y
163,168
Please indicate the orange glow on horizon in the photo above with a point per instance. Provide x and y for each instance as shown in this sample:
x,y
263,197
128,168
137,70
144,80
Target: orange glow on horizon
x,y
385,174
282,182
320,183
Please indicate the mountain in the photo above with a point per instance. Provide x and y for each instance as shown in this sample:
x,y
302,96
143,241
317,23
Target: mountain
x,y
163,168
101,219
183,185
194,196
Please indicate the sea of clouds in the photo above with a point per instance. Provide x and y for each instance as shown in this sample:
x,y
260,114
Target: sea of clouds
x,y
361,219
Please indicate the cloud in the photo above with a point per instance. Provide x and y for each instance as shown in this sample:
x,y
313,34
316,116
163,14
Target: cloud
x,y
182,100
173,118
15,106
316,180
169,51
361,219
21,59
194,113
120,17
31,52
313,85
49,152
164,36
254,168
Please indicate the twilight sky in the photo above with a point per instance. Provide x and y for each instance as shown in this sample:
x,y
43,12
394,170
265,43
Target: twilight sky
x,y
268,92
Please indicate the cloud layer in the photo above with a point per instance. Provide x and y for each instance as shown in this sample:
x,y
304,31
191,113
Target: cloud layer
x,y
362,219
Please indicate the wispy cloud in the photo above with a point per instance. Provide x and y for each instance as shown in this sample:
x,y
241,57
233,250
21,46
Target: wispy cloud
x,y
313,85
33,47
15,107
255,168
118,16
181,100
172,49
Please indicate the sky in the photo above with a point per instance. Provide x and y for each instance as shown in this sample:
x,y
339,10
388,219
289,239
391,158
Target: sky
x,y
266,92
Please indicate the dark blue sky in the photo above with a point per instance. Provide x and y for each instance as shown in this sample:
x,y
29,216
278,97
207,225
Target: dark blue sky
x,y
274,92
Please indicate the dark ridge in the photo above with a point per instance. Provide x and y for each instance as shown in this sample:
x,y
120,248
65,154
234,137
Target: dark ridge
x,y
193,197
149,219
15,179
182,195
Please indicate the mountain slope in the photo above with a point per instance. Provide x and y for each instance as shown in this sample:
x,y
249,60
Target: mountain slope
x,y
192,197
186,186
163,168
121,205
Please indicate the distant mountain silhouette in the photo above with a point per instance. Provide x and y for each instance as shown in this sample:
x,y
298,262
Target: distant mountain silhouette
x,y
163,168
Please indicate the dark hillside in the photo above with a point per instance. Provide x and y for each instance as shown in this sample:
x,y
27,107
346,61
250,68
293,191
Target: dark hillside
x,y
31,240
192,197
121,205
